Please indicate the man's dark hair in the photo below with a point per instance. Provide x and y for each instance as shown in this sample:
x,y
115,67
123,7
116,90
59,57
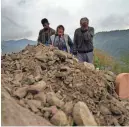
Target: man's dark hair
x,y
84,19
60,26
43,21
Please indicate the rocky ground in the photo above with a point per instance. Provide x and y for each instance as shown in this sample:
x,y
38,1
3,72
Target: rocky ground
x,y
53,85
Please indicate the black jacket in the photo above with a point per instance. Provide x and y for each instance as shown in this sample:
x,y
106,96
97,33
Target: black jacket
x,y
83,40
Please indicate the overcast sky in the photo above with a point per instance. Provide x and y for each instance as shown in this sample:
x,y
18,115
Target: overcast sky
x,y
21,18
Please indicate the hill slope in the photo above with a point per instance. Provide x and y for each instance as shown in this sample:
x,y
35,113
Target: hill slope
x,y
115,43
15,45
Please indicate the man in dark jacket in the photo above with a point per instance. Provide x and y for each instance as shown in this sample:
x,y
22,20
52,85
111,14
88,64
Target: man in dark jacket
x,y
83,41
45,33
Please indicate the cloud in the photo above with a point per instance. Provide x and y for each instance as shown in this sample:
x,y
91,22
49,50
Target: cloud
x,y
22,18
115,21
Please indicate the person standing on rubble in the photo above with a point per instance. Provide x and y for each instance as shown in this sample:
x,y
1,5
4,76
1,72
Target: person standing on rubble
x,y
83,41
61,40
45,33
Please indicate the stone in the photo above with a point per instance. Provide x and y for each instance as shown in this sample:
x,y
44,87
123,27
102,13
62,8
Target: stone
x,y
109,78
78,84
34,105
104,110
38,86
52,109
115,110
22,103
37,103
89,66
111,73
82,115
29,96
47,115
53,100
40,96
62,55
68,107
42,58
30,80
59,119
20,92
38,78
15,115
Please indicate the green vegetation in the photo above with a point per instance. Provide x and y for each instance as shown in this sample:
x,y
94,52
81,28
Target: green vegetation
x,y
105,62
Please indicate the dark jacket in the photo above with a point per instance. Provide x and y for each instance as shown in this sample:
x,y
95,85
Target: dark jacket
x,y
42,35
83,40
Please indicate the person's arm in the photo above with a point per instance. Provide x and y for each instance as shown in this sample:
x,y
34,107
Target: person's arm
x,y
39,37
70,43
75,43
88,35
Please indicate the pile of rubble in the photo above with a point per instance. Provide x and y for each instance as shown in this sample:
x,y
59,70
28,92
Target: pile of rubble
x,y
54,85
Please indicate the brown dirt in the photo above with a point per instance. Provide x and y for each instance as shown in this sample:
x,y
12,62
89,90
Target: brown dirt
x,y
69,80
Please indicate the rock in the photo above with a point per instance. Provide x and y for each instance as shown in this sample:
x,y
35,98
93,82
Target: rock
x,y
38,78
70,61
53,100
39,113
115,122
52,109
78,84
37,87
29,96
65,69
115,110
68,80
89,66
109,78
59,119
62,55
47,115
111,74
40,96
69,56
68,107
82,115
20,92
25,52
104,110
34,105
42,58
15,115
22,103
18,77
30,80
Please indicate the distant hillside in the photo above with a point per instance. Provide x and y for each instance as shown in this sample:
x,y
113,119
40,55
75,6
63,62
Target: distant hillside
x,y
15,45
115,43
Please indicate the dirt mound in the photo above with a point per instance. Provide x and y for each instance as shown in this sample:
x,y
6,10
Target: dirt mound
x,y
50,83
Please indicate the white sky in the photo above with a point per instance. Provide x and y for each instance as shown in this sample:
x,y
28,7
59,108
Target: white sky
x,y
21,18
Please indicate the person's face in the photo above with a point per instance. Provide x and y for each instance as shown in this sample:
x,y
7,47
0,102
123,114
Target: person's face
x,y
46,25
84,24
60,31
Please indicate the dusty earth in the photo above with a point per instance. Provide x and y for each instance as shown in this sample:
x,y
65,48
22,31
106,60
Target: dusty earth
x,y
45,86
